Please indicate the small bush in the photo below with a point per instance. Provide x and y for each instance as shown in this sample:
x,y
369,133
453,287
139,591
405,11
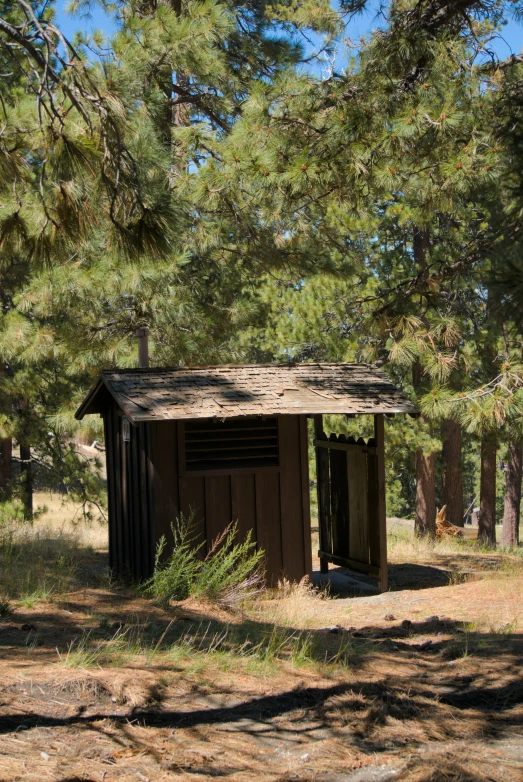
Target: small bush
x,y
230,573
173,579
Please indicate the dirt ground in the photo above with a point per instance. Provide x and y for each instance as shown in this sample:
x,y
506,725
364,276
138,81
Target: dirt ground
x,y
421,683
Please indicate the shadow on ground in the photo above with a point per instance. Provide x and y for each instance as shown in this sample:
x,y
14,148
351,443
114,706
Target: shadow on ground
x,y
391,694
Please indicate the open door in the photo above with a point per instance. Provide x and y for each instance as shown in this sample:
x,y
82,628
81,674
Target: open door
x,y
351,502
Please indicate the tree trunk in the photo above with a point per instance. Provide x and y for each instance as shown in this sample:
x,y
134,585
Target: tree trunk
x,y
487,501
179,114
425,523
425,518
510,534
6,452
452,490
26,481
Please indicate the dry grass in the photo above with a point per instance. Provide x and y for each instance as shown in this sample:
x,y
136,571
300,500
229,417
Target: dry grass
x,y
63,518
56,553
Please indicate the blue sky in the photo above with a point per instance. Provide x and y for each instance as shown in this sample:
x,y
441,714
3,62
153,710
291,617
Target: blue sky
x,y
510,41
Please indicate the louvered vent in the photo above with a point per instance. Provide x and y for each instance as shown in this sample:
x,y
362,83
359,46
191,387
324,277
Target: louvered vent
x,y
224,445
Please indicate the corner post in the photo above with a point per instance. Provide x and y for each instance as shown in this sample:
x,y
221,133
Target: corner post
x,y
322,490
379,436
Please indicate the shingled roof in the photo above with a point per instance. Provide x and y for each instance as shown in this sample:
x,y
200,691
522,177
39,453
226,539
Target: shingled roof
x,y
246,390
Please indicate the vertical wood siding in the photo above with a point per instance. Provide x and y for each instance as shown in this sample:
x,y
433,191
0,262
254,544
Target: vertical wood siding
x,y
130,497
272,502
164,470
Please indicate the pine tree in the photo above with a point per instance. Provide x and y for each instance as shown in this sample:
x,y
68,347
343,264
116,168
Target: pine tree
x,y
103,227
396,144
452,482
511,516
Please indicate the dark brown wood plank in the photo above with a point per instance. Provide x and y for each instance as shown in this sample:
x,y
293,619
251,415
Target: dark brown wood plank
x,y
323,490
111,489
373,510
134,504
234,470
181,448
359,567
358,515
192,449
119,489
339,503
268,523
305,494
146,529
150,497
379,435
231,424
217,506
291,500
126,503
164,448
197,438
243,504
192,505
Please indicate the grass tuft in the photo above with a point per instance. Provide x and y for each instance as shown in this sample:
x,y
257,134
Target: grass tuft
x,y
48,557
6,608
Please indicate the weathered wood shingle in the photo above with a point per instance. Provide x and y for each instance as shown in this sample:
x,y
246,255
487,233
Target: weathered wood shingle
x,y
247,390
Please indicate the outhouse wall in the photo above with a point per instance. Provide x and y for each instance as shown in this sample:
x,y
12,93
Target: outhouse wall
x,y
149,485
271,501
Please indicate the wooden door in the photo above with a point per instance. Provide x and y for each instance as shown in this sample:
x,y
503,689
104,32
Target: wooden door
x,y
351,506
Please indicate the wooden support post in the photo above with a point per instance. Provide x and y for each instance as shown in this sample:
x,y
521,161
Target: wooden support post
x,y
322,487
379,436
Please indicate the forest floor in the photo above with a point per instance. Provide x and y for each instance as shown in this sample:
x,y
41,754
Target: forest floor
x,y
421,683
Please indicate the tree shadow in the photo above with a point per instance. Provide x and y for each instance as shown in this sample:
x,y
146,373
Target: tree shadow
x,y
401,685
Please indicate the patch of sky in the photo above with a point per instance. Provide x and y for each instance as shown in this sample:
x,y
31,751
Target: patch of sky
x,y
95,20
318,60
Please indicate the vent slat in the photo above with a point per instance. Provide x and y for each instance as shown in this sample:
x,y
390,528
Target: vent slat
x,y
191,449
227,444
237,435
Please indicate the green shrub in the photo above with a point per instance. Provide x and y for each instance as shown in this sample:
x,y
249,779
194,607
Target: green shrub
x,y
11,511
230,573
174,578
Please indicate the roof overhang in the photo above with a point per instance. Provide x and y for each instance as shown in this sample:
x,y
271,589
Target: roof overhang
x,y
226,391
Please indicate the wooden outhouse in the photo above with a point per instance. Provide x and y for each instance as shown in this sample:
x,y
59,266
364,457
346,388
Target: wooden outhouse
x,y
230,443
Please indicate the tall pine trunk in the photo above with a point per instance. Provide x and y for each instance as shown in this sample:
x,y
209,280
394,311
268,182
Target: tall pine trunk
x,y
510,534
26,481
425,521
425,518
452,489
180,85
487,494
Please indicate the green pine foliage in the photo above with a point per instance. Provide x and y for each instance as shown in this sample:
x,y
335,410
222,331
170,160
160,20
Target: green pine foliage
x,y
199,178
